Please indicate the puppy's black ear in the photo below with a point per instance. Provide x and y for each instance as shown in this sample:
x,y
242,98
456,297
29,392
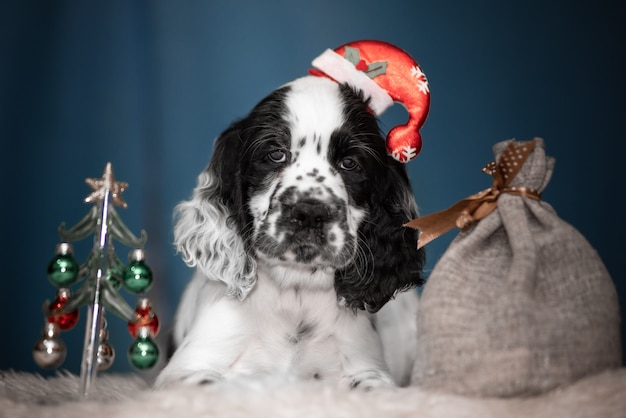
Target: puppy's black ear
x,y
388,261
208,232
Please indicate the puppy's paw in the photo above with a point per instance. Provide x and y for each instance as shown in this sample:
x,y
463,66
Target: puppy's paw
x,y
169,379
368,380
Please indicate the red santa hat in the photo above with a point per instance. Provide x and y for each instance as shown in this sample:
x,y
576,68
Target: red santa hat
x,y
386,74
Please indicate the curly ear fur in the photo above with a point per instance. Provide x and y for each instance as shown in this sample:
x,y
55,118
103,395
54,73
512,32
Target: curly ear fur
x,y
389,261
208,230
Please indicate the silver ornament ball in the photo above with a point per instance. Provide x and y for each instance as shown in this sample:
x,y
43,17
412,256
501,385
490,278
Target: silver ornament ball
x,y
50,351
105,356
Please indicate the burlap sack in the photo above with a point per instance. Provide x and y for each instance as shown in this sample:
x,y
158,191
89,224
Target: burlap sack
x,y
519,303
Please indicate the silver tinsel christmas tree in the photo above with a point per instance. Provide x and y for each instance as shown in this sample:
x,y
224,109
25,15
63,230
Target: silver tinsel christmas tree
x,y
98,281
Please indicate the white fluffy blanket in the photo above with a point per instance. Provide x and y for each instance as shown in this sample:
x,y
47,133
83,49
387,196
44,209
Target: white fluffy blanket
x,y
30,395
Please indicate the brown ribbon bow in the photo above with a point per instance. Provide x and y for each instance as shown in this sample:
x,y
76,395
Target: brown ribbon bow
x,y
474,208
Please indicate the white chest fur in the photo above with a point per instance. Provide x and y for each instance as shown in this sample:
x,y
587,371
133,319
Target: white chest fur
x,y
296,330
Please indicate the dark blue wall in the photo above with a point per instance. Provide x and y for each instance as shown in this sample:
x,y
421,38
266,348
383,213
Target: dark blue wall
x,y
148,85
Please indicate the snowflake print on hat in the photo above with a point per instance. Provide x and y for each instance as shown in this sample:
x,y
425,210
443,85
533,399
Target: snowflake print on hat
x,y
386,74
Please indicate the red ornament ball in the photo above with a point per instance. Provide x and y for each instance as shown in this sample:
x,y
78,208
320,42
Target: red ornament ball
x,y
65,321
144,317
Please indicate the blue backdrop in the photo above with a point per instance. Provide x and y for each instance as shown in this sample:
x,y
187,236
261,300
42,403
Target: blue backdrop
x,y
149,85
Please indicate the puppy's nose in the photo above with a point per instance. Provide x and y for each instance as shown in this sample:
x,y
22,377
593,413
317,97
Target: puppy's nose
x,y
310,214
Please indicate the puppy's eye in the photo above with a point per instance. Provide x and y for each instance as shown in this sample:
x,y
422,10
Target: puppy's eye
x,y
348,164
277,156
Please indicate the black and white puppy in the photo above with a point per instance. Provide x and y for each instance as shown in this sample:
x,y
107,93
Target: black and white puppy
x,y
295,229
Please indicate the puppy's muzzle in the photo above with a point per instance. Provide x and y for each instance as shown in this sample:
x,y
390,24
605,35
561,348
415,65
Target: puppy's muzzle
x,y
309,225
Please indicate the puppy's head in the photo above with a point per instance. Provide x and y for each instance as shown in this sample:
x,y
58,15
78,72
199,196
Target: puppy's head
x,y
304,183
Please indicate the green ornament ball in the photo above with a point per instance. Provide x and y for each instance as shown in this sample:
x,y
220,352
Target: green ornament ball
x,y
143,353
63,270
137,277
